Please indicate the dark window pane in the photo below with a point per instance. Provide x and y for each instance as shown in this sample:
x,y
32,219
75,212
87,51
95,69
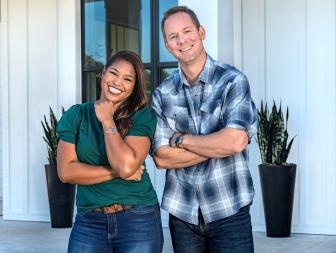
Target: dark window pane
x,y
91,86
165,72
129,27
164,5
95,43
125,23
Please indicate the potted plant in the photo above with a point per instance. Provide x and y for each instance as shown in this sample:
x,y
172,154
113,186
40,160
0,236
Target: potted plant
x,y
61,196
277,177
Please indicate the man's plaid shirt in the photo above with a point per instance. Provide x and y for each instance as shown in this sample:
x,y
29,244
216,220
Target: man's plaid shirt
x,y
218,186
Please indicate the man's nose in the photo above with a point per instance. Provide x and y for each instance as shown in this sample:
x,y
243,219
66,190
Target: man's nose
x,y
181,39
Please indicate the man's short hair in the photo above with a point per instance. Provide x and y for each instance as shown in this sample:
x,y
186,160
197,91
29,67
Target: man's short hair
x,y
175,10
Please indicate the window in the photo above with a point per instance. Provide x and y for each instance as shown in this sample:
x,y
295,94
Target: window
x,y
113,25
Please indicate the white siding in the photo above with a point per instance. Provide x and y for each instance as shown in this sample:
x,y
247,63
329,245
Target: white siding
x,y
288,53
39,67
1,55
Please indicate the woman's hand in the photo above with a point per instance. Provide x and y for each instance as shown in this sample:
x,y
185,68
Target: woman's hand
x,y
104,112
137,175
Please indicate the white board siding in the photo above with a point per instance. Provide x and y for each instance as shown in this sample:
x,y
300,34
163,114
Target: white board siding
x,y
1,91
288,53
4,97
37,70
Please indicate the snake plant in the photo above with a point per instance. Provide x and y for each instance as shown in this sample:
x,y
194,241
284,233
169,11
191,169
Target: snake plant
x,y
272,135
50,136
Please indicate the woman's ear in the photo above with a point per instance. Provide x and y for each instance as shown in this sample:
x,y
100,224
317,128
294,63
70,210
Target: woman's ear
x,y
102,74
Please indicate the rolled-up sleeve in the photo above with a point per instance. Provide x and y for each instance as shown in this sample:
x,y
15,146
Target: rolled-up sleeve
x,y
67,127
163,131
239,110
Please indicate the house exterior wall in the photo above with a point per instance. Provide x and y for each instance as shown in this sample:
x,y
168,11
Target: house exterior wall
x,y
39,67
1,170
288,54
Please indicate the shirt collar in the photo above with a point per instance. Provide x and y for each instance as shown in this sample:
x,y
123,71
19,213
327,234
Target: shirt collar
x,y
206,75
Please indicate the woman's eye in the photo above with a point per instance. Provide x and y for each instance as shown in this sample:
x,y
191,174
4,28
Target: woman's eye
x,y
128,80
113,73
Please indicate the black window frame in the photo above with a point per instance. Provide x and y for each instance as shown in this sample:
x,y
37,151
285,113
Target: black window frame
x,y
155,66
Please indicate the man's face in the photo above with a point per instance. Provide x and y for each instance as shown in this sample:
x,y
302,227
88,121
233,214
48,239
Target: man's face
x,y
183,40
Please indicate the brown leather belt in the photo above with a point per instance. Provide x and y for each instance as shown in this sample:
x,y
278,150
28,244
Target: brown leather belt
x,y
113,208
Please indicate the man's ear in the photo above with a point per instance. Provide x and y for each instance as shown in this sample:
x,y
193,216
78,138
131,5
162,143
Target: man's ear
x,y
201,32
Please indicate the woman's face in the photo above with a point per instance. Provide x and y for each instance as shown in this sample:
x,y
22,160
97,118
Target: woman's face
x,y
118,81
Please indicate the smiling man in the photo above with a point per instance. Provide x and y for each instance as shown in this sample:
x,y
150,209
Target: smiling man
x,y
206,118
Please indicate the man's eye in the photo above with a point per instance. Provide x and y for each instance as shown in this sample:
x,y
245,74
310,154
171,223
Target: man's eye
x,y
172,37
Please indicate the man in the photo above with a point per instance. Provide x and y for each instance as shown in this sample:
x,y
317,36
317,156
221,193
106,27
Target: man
x,y
206,118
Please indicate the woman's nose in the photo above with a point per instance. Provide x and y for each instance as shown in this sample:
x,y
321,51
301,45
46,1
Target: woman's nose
x,y
117,81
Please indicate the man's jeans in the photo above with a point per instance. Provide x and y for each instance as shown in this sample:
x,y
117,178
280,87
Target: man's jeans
x,y
134,230
229,235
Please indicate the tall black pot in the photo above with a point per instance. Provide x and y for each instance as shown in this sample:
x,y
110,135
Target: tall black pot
x,y
61,199
277,186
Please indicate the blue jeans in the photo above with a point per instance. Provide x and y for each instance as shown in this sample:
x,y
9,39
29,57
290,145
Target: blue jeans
x,y
134,230
229,235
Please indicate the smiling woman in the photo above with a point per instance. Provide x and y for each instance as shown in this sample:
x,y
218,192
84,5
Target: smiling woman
x,y
99,151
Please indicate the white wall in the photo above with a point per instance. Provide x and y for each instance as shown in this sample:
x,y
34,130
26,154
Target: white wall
x,y
1,198
288,53
39,67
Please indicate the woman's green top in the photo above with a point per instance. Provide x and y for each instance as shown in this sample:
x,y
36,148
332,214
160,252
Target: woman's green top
x,y
80,126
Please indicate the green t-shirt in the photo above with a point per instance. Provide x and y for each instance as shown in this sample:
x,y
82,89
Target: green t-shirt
x,y
80,126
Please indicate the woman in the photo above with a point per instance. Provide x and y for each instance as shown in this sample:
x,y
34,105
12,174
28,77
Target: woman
x,y
102,149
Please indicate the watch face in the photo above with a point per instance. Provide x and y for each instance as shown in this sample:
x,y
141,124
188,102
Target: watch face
x,y
178,140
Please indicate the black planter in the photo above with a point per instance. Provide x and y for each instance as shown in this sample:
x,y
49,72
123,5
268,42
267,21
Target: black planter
x,y
277,186
61,199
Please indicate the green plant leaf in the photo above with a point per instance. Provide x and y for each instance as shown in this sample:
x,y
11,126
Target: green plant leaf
x,y
272,134
50,134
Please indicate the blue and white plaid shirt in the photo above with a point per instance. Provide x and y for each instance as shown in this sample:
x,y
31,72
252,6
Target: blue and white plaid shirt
x,y
218,186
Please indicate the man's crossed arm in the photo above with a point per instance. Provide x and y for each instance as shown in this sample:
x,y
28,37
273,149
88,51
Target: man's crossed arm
x,y
195,149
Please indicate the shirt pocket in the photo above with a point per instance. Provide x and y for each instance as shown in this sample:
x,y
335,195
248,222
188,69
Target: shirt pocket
x,y
178,118
211,117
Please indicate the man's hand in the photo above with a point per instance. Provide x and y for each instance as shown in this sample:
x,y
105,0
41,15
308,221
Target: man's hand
x,y
137,175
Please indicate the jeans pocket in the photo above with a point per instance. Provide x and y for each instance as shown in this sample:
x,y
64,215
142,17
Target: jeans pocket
x,y
143,209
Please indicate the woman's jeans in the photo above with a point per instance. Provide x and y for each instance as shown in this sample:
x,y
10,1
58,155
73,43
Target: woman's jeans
x,y
134,230
229,235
